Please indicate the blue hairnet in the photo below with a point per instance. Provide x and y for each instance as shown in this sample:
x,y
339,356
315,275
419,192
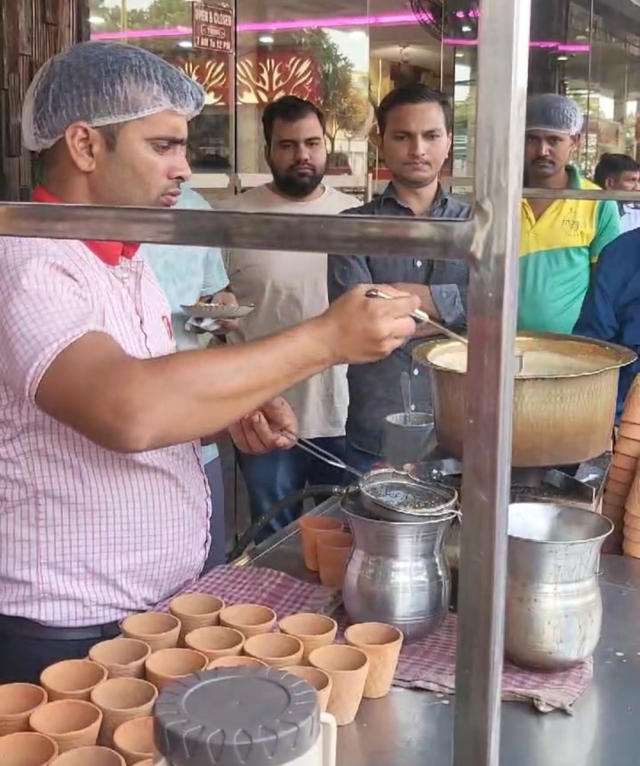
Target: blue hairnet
x,y
554,113
103,83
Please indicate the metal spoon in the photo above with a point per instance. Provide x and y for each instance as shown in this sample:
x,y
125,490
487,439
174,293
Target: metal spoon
x,y
421,317
405,383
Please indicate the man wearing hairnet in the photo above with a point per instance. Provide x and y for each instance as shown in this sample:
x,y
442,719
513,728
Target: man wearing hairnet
x,y
560,240
104,505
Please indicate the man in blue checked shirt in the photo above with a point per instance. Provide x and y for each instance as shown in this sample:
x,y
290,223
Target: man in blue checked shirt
x,y
187,275
611,309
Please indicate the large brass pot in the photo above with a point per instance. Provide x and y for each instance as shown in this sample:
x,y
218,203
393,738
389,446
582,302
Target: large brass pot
x,y
560,416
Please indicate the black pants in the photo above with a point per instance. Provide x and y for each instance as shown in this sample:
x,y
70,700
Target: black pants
x,y
24,657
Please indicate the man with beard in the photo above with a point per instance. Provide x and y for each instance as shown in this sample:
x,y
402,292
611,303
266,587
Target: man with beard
x,y
560,240
287,288
415,127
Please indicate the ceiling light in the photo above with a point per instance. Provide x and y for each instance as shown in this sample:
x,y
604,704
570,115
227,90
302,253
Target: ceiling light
x,y
96,20
459,55
563,58
266,39
185,44
466,28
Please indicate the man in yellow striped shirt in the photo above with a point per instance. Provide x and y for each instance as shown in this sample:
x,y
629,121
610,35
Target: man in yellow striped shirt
x,y
560,240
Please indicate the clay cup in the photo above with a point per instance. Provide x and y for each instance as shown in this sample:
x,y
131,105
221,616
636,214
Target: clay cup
x,y
122,657
275,649
348,668
334,549
89,756
121,700
310,528
320,681
17,703
248,619
69,723
215,642
72,679
382,644
27,748
196,610
314,630
166,666
158,630
134,740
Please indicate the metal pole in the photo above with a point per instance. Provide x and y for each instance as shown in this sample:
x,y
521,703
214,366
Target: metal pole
x,y
502,78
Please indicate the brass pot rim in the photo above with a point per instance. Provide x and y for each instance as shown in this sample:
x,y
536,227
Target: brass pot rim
x,y
618,356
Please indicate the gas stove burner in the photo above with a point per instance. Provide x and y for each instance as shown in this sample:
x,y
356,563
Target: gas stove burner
x,y
581,483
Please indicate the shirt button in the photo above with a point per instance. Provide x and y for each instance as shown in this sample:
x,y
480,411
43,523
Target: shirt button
x,y
416,371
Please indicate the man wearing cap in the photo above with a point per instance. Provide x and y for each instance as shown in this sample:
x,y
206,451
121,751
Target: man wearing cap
x,y
560,240
104,504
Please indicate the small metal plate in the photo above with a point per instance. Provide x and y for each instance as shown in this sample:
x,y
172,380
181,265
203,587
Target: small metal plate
x,y
216,311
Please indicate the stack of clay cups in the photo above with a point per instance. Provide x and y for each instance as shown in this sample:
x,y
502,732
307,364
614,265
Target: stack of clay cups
x,y
622,473
624,470
310,528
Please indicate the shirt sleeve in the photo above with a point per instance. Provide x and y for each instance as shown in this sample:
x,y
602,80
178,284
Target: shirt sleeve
x,y
345,272
215,274
45,306
607,228
448,301
599,318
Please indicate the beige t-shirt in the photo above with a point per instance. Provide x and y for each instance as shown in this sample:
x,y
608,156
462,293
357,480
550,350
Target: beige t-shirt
x,y
288,288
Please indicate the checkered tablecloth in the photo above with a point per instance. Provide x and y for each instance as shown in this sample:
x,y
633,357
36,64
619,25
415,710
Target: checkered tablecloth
x,y
428,664
248,585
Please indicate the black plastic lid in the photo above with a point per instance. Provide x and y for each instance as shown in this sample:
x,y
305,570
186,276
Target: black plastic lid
x,y
240,716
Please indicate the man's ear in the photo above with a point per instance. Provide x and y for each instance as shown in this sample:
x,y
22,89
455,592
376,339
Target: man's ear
x,y
608,183
84,145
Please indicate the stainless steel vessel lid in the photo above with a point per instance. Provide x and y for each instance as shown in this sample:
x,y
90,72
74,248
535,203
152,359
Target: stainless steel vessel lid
x,y
236,717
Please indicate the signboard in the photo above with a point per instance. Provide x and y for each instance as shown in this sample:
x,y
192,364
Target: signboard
x,y
213,28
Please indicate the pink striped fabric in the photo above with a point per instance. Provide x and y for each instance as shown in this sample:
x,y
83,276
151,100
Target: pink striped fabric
x,y
86,535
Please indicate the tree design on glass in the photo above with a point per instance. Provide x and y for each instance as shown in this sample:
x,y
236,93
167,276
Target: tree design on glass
x,y
264,79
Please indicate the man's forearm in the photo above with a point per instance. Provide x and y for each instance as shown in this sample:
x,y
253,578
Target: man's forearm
x,y
134,405
203,392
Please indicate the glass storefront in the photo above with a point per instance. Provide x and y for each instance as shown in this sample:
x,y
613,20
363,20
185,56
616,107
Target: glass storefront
x,y
347,54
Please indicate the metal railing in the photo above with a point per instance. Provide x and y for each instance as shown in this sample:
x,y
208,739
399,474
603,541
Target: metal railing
x,y
490,241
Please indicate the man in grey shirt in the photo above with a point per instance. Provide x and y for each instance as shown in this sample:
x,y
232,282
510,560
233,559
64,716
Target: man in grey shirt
x,y
415,127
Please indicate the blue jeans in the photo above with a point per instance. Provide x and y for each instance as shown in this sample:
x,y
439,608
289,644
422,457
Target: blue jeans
x,y
275,475
216,555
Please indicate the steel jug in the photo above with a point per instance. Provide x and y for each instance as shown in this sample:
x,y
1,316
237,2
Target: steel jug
x,y
398,572
553,603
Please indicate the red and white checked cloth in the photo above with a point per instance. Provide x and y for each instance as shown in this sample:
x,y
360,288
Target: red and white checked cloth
x,y
277,590
428,664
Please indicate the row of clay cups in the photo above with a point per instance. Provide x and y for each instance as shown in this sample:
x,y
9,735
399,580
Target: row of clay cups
x,y
326,548
364,667
34,749
74,724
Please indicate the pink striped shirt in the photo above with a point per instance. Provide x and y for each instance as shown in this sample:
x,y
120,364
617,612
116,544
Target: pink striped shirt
x,y
87,536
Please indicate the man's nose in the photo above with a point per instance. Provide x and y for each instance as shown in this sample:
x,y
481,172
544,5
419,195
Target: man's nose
x,y
417,147
181,171
302,153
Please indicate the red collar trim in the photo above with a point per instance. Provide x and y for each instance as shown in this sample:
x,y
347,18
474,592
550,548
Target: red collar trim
x,y
108,252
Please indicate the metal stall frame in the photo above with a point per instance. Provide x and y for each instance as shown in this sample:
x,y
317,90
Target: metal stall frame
x,y
490,241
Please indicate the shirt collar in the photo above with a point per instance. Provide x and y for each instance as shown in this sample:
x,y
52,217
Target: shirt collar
x,y
440,200
108,252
